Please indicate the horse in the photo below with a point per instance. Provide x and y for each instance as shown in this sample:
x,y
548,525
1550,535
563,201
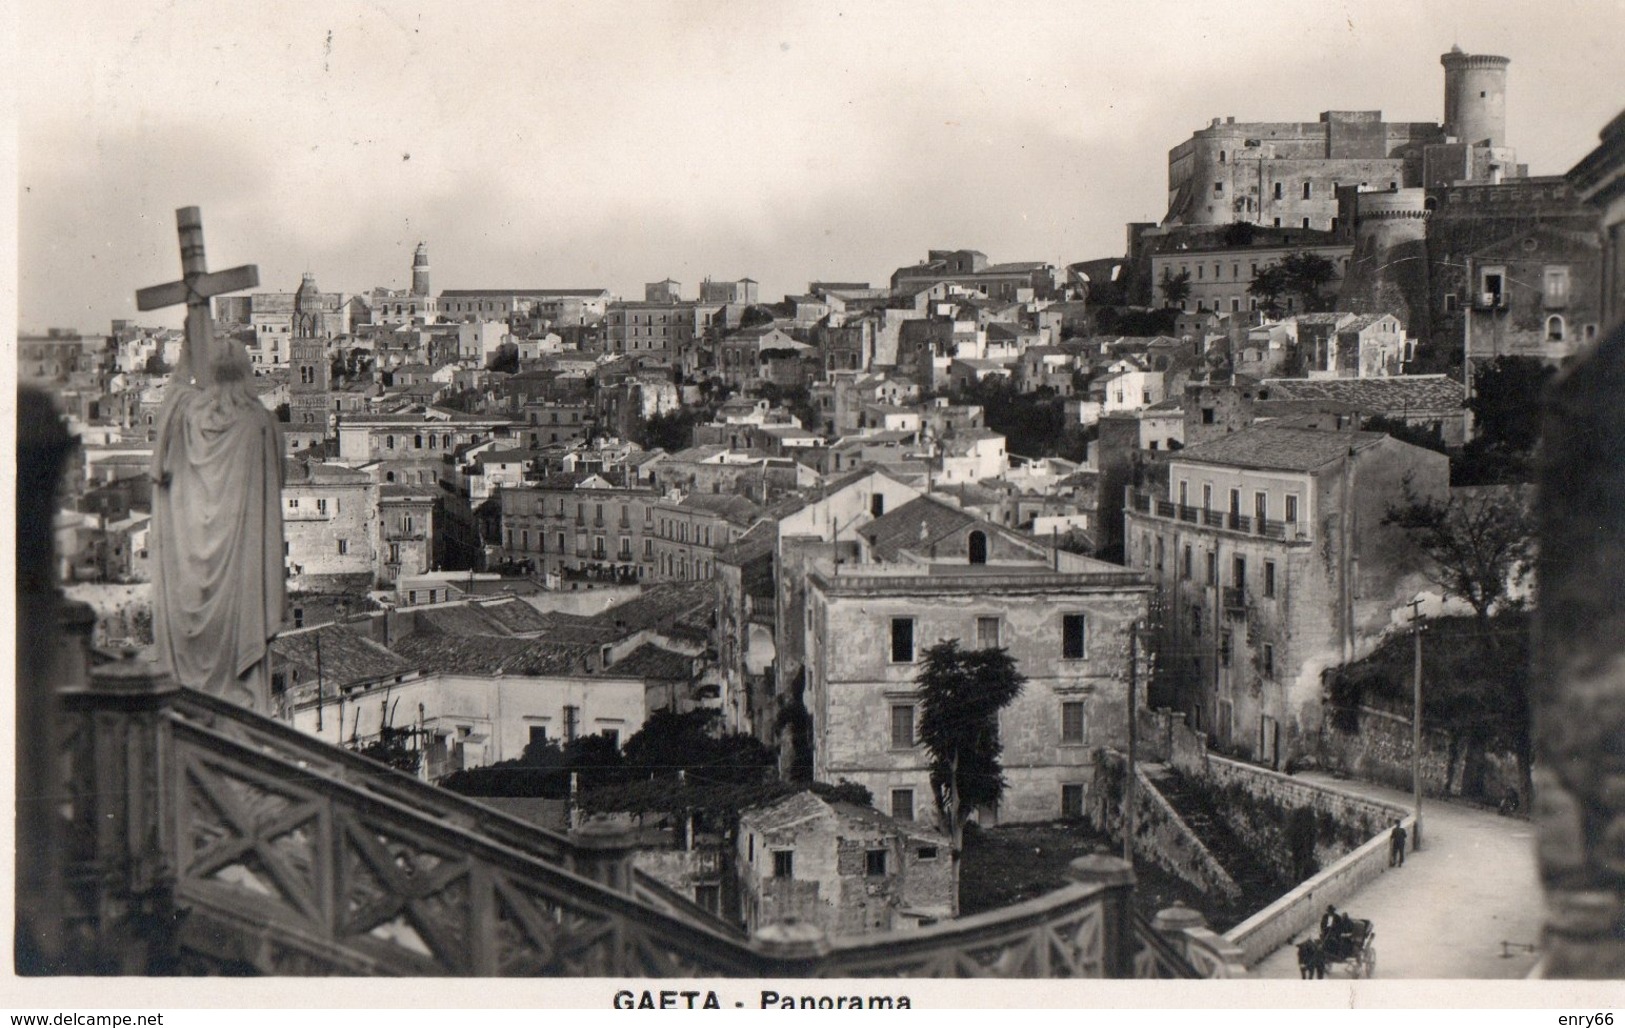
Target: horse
x,y
1311,959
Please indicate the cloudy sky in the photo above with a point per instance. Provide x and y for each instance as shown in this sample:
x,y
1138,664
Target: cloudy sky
x,y
552,144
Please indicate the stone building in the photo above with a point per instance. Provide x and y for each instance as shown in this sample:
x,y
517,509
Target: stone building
x,y
926,572
408,543
689,531
406,306
744,630
406,446
1221,273
330,524
1494,220
822,523
742,291
518,307
582,523
969,269
1287,174
662,329
1534,294
1272,561
850,870
271,319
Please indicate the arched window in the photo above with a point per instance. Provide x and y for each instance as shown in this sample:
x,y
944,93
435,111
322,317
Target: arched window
x,y
389,442
1554,329
445,441
417,441
978,547
389,476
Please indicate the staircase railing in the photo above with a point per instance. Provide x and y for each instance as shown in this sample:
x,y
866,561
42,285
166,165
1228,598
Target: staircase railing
x,y
203,837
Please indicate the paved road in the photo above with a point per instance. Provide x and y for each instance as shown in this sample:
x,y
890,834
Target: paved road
x,y
1445,913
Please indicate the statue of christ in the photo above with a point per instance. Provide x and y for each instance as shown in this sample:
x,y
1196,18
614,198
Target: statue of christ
x,y
218,579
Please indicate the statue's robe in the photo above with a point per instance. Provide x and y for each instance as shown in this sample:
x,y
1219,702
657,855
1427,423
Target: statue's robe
x,y
218,587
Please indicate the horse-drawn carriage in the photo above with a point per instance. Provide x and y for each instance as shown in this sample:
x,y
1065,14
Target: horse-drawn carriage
x,y
1350,941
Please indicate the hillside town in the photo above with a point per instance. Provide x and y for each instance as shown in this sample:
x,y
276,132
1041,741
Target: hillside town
x,y
704,567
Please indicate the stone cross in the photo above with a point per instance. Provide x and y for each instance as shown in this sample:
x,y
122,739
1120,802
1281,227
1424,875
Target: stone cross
x,y
197,284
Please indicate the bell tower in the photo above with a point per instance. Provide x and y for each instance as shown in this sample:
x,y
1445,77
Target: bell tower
x,y
309,385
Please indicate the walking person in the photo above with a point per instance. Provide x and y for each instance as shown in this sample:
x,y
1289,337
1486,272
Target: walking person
x,y
1396,845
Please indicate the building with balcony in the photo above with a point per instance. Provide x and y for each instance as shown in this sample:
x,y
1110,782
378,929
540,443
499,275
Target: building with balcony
x,y
691,530
1273,563
927,572
1535,293
581,522
407,542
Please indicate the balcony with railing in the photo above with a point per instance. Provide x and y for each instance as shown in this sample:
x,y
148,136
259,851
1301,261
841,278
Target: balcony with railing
x,y
1167,510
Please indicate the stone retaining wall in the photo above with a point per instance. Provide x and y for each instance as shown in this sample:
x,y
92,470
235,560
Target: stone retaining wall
x,y
1162,835
1298,912
1368,817
1379,750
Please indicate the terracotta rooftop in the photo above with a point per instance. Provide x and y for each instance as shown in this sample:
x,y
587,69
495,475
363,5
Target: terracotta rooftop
x,y
1279,448
651,661
492,655
916,524
1398,393
347,656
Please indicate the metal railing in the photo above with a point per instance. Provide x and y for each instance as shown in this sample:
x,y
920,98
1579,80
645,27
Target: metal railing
x,y
1144,503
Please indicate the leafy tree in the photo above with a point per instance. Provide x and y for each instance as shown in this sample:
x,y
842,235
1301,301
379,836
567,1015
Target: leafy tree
x,y
1176,289
1239,233
670,431
284,413
156,365
506,359
694,743
1135,321
1032,423
961,694
756,315
1302,276
1478,543
795,399
1506,401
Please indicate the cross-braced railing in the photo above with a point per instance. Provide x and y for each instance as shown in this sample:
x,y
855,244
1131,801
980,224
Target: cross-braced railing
x,y
204,837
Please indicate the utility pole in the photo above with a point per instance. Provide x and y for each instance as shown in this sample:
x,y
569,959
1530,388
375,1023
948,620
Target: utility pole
x,y
1128,775
1416,723
320,699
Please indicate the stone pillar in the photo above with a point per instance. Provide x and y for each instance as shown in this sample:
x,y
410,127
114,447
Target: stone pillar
x,y
1578,688
603,853
1171,923
791,949
119,879
1118,877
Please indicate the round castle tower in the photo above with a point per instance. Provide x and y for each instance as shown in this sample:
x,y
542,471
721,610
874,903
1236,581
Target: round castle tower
x,y
420,270
1475,97
1388,271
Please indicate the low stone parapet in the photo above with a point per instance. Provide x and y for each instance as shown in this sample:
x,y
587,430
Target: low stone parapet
x,y
1299,910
